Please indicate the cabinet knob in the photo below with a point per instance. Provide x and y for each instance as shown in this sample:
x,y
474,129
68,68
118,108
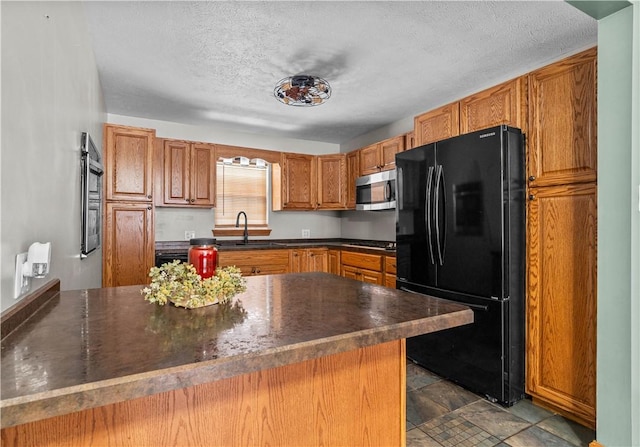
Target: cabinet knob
x,y
532,197
149,208
192,200
532,178
149,196
257,270
186,200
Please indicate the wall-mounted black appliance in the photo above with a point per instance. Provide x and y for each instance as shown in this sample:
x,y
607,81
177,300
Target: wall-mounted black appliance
x,y
91,193
377,191
460,235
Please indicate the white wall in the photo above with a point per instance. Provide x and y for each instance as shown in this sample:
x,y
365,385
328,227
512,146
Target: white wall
x,y
50,94
171,223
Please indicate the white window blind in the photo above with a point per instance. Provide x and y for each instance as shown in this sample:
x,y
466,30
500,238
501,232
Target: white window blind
x,y
241,187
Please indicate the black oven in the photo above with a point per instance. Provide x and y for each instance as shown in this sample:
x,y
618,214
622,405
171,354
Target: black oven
x,y
91,192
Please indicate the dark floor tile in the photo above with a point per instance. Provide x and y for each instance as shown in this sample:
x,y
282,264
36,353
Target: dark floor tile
x,y
526,410
568,430
449,395
418,438
536,437
417,377
410,425
453,431
492,418
421,408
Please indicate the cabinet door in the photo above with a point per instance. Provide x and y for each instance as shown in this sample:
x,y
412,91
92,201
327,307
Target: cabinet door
x,y
502,104
333,260
370,276
317,260
562,146
350,272
353,172
370,159
388,150
298,261
332,175
561,305
128,251
298,181
202,170
176,172
128,159
437,124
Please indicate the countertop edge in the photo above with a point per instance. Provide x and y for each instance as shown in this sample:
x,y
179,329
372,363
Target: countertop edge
x,y
44,405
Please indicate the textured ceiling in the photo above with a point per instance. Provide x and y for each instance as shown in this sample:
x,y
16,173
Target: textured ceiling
x,y
216,63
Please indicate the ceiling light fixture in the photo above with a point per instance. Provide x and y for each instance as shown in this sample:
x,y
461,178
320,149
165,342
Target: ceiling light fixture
x,y
302,90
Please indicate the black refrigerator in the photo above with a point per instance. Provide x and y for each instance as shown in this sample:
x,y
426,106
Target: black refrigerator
x,y
460,236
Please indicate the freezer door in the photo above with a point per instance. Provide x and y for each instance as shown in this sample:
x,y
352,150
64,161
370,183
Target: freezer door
x,y
469,202
415,253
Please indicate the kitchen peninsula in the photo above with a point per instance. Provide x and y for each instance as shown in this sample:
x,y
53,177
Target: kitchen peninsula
x,y
300,359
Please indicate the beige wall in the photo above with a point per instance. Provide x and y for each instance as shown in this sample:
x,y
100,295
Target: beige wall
x,y
50,94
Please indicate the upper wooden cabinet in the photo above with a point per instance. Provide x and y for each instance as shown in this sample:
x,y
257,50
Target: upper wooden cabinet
x,y
128,163
380,156
562,146
436,125
298,181
353,172
189,174
332,181
502,104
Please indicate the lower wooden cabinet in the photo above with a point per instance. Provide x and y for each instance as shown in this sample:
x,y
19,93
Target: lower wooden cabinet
x,y
309,260
333,257
362,267
128,244
390,271
256,262
561,307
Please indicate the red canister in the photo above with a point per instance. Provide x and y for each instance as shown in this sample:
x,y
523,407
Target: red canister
x,y
203,256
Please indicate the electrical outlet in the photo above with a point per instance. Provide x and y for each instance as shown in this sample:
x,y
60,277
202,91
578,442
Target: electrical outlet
x,y
306,233
189,234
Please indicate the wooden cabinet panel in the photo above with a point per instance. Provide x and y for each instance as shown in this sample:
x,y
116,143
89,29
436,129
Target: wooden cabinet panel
x,y
334,260
390,271
561,308
202,176
353,172
189,174
298,181
128,251
256,262
380,156
369,159
409,141
502,104
562,143
309,260
437,124
332,179
128,160
362,266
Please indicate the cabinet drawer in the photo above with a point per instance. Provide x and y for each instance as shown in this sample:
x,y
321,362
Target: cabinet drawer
x,y
362,260
256,262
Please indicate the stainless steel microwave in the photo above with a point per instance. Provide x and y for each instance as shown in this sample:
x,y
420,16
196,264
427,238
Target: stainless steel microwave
x,y
376,191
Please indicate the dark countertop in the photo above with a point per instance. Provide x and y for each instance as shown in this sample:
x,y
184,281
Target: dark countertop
x,y
363,246
88,348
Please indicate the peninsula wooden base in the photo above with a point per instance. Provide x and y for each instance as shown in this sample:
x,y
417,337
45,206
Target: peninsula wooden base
x,y
353,398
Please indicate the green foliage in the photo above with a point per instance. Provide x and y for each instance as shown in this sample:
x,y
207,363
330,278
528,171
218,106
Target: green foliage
x,y
179,283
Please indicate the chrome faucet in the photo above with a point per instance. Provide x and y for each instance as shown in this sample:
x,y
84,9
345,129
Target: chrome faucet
x,y
246,231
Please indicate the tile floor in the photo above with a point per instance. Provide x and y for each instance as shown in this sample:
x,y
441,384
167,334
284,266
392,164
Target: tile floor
x,y
440,413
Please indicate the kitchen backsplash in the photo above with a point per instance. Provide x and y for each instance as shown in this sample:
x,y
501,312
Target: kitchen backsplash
x,y
171,224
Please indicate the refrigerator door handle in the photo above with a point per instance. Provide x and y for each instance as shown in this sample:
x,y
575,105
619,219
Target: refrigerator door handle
x,y
427,212
441,247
